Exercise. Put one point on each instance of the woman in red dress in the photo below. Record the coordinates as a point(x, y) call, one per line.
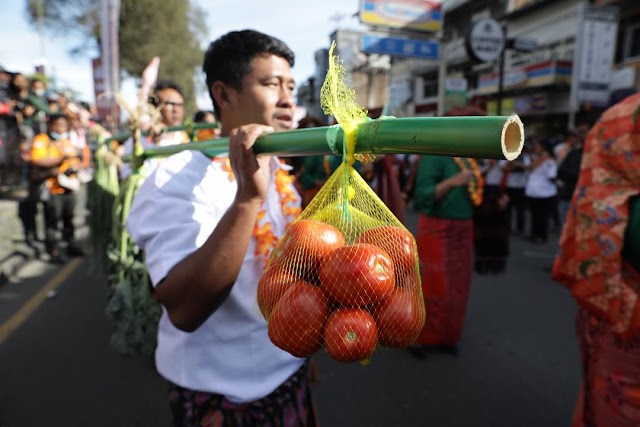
point(599, 260)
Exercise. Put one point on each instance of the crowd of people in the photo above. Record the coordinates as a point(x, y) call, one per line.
point(45, 138)
point(213, 347)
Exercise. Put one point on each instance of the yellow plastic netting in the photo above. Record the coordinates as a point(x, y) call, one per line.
point(345, 275)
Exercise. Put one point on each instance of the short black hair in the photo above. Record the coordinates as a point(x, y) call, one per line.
point(228, 59)
point(162, 85)
point(200, 115)
point(56, 116)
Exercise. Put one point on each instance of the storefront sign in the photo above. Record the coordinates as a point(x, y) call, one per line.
point(514, 5)
point(103, 104)
point(455, 92)
point(597, 41)
point(485, 40)
point(419, 15)
point(522, 44)
point(396, 46)
point(534, 75)
point(534, 104)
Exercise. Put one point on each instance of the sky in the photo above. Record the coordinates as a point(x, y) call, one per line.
point(305, 25)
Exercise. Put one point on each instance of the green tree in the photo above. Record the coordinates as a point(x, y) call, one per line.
point(174, 30)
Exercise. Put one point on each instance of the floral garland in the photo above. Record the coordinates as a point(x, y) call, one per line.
point(289, 201)
point(476, 184)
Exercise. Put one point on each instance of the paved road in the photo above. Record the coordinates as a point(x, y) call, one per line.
point(518, 364)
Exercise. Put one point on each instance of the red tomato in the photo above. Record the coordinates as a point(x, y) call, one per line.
point(305, 243)
point(275, 281)
point(297, 320)
point(397, 242)
point(410, 282)
point(400, 318)
point(357, 275)
point(350, 335)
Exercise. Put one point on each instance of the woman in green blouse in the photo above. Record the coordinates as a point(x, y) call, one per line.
point(444, 195)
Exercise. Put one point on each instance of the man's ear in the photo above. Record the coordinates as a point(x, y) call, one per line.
point(221, 93)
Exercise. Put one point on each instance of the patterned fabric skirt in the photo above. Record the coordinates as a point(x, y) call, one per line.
point(289, 405)
point(610, 393)
point(445, 248)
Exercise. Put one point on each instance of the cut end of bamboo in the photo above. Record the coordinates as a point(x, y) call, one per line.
point(512, 137)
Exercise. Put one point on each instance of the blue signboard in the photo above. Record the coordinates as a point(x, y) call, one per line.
point(396, 46)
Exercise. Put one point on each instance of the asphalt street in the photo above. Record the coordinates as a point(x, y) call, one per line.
point(517, 366)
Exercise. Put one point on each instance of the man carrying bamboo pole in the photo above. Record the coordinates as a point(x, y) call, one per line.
point(207, 229)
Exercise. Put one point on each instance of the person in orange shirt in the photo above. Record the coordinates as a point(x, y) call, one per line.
point(206, 116)
point(55, 162)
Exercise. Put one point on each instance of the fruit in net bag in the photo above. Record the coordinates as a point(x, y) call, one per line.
point(273, 284)
point(400, 317)
point(305, 243)
point(297, 321)
point(395, 241)
point(357, 275)
point(350, 335)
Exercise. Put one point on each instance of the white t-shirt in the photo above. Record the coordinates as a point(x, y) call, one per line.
point(494, 173)
point(149, 165)
point(518, 178)
point(540, 182)
point(173, 214)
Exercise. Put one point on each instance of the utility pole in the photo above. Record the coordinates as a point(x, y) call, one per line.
point(501, 68)
point(40, 14)
point(442, 73)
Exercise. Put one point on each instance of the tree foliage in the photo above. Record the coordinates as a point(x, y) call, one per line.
point(170, 29)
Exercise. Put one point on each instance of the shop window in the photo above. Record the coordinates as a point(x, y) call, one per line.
point(632, 43)
point(430, 88)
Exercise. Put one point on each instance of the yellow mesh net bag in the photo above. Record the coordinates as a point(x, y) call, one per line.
point(345, 275)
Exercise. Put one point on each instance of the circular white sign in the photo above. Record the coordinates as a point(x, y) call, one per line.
point(485, 40)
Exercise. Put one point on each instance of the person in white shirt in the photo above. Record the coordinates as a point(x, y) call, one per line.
point(167, 97)
point(515, 182)
point(541, 190)
point(199, 223)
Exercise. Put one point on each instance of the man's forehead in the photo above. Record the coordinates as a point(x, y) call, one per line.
point(268, 64)
point(168, 93)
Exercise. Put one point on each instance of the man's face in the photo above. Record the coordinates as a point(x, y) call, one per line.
point(171, 107)
point(266, 96)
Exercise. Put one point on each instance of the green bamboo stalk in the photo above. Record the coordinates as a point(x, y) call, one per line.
point(486, 137)
point(188, 128)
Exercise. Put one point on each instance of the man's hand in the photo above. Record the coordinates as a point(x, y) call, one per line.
point(458, 180)
point(461, 178)
point(252, 173)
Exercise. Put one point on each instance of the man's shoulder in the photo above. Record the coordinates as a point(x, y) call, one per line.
point(187, 167)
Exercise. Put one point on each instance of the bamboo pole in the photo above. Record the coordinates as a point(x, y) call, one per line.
point(194, 127)
point(487, 137)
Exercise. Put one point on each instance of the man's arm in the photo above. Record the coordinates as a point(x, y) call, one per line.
point(198, 284)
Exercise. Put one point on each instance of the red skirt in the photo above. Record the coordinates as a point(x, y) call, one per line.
point(445, 248)
point(610, 393)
